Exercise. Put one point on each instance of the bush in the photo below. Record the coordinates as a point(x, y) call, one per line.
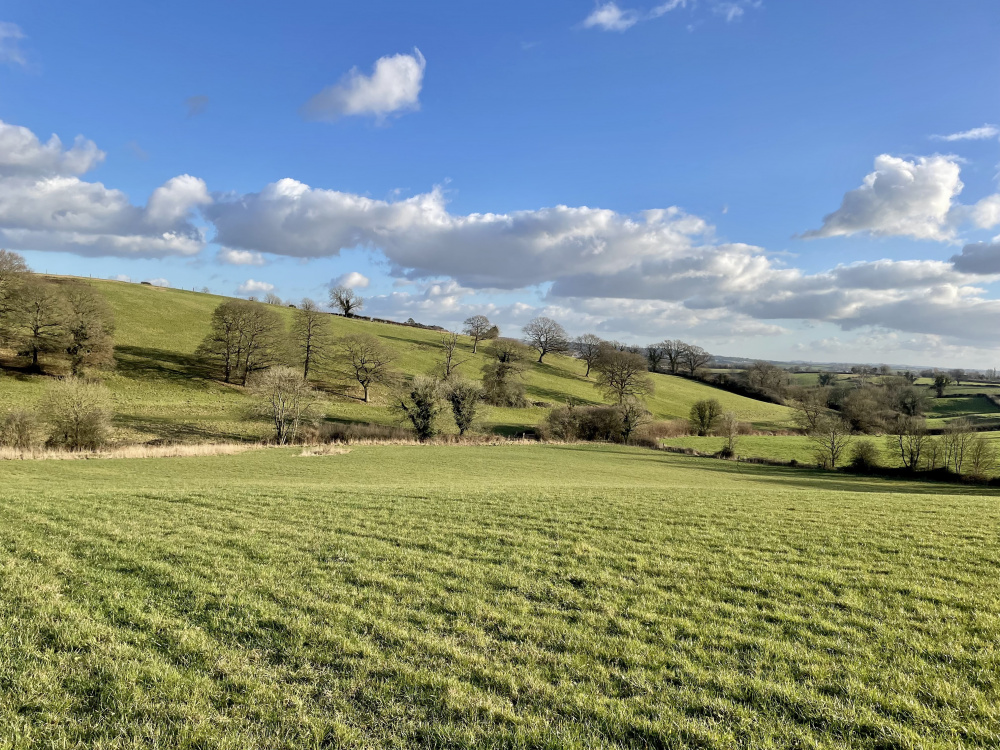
point(666, 428)
point(590, 423)
point(339, 432)
point(21, 429)
point(421, 402)
point(464, 398)
point(80, 414)
point(704, 414)
point(865, 456)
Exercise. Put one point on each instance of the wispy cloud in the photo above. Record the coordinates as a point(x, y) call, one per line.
point(10, 44)
point(973, 134)
point(610, 17)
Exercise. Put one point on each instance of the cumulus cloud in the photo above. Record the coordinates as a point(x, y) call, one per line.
point(973, 134)
point(240, 257)
point(44, 205)
point(353, 279)
point(250, 286)
point(901, 197)
point(986, 213)
point(609, 17)
point(979, 258)
point(422, 238)
point(394, 86)
point(10, 44)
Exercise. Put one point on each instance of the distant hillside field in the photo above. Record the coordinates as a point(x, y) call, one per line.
point(161, 393)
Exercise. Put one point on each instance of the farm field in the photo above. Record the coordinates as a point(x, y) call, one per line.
point(161, 392)
point(509, 596)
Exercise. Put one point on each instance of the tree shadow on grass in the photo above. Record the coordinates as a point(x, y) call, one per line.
point(168, 431)
point(147, 363)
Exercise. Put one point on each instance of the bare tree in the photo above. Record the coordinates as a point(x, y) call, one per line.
point(366, 359)
point(346, 300)
point(420, 403)
point(864, 374)
point(673, 351)
point(450, 360)
point(767, 378)
point(810, 408)
point(704, 415)
point(907, 436)
point(622, 375)
point(982, 456)
point(958, 375)
point(832, 436)
point(244, 337)
point(310, 336)
point(588, 348)
point(272, 299)
point(956, 440)
point(634, 415)
point(284, 397)
point(13, 273)
point(37, 324)
point(655, 354)
point(728, 427)
point(695, 358)
point(478, 327)
point(90, 328)
point(464, 397)
point(546, 336)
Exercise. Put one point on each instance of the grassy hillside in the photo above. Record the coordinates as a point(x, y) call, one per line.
point(510, 596)
point(161, 393)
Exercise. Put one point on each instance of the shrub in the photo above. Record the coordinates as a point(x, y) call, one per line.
point(420, 403)
point(704, 413)
point(865, 456)
point(339, 432)
point(590, 423)
point(21, 429)
point(464, 398)
point(80, 414)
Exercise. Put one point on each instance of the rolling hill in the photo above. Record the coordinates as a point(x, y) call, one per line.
point(161, 393)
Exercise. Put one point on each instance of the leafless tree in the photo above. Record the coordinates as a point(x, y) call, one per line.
point(634, 415)
point(832, 435)
point(366, 359)
point(863, 374)
point(546, 336)
point(704, 415)
point(13, 273)
point(272, 299)
point(728, 427)
point(810, 408)
point(981, 456)
point(310, 336)
point(588, 348)
point(479, 328)
point(695, 358)
point(450, 359)
point(346, 300)
point(79, 413)
point(956, 441)
point(958, 375)
point(90, 328)
point(907, 436)
point(244, 337)
point(37, 324)
point(622, 375)
point(767, 378)
point(654, 355)
point(673, 351)
point(285, 398)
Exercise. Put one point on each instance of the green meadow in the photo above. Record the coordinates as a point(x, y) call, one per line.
point(161, 391)
point(509, 596)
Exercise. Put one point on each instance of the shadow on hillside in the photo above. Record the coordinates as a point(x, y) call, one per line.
point(147, 363)
point(168, 431)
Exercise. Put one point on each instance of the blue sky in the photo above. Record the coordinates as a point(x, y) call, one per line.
point(777, 179)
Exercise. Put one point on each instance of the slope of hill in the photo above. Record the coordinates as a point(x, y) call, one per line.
point(161, 392)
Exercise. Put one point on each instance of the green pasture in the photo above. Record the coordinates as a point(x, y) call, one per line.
point(492, 597)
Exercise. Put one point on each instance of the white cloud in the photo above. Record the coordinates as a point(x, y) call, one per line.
point(899, 198)
point(610, 17)
point(255, 287)
point(986, 213)
point(393, 86)
point(422, 239)
point(44, 205)
point(157, 282)
point(240, 257)
point(353, 279)
point(122, 277)
point(666, 7)
point(974, 134)
point(10, 44)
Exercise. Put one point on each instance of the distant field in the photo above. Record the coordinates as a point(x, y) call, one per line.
point(977, 409)
point(161, 394)
point(504, 597)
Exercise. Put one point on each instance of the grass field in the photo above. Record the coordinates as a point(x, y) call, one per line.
point(161, 392)
point(976, 409)
point(511, 596)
